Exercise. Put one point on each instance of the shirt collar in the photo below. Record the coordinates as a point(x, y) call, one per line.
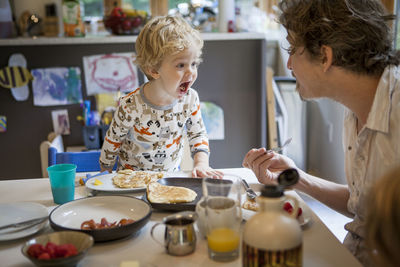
point(378, 117)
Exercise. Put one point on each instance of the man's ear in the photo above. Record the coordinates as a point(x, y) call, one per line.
point(327, 57)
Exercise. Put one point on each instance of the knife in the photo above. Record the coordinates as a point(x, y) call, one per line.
point(249, 191)
point(31, 222)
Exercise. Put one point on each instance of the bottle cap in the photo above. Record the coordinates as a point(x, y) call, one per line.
point(272, 191)
point(288, 177)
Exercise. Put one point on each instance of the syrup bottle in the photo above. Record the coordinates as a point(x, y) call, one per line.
point(273, 237)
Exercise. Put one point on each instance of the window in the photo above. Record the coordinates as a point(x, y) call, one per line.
point(94, 8)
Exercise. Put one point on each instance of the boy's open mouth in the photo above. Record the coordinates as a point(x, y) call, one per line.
point(184, 87)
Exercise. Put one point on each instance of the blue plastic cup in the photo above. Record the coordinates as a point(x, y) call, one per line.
point(62, 181)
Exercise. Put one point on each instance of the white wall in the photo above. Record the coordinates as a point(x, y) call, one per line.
point(325, 149)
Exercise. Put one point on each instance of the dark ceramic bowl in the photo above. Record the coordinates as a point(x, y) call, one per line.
point(81, 241)
point(71, 215)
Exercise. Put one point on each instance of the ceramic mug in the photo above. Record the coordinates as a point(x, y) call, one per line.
point(180, 236)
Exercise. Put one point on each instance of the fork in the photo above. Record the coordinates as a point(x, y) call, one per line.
point(280, 148)
point(251, 195)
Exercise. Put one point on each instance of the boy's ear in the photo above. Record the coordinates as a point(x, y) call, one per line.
point(153, 73)
point(327, 57)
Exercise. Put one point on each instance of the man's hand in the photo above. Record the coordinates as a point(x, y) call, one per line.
point(266, 165)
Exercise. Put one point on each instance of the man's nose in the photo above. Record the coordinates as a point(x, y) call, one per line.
point(289, 63)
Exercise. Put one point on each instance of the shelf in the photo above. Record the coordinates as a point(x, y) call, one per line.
point(25, 41)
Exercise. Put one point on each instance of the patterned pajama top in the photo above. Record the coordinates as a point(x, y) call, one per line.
point(149, 137)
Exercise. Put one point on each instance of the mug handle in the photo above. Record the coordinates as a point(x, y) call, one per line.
point(295, 207)
point(152, 236)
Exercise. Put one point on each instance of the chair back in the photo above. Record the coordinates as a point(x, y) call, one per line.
point(86, 161)
point(53, 140)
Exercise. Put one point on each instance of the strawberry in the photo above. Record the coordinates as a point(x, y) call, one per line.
point(44, 256)
point(51, 249)
point(289, 208)
point(35, 250)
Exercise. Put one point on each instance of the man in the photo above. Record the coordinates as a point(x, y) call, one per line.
point(342, 50)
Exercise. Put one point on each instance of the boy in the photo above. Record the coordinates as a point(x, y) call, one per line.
point(147, 129)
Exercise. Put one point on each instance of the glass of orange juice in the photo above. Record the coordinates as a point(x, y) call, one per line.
point(223, 217)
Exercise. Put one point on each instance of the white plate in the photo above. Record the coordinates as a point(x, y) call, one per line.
point(71, 215)
point(303, 220)
point(108, 185)
point(19, 212)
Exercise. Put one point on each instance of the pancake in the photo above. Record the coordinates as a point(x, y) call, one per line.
point(250, 205)
point(134, 179)
point(163, 194)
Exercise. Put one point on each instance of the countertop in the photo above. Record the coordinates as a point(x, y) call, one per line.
point(271, 36)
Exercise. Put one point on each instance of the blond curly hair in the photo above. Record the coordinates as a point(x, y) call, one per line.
point(382, 230)
point(164, 36)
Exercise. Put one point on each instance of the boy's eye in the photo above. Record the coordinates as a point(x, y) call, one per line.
point(180, 65)
point(195, 64)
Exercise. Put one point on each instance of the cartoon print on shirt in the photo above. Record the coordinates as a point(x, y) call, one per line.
point(111, 155)
point(200, 123)
point(154, 139)
point(165, 132)
point(159, 157)
point(130, 146)
point(168, 116)
point(147, 156)
point(175, 154)
point(151, 112)
point(143, 142)
point(154, 127)
point(176, 141)
point(142, 130)
point(124, 155)
point(131, 107)
point(122, 115)
point(158, 145)
point(189, 124)
point(157, 168)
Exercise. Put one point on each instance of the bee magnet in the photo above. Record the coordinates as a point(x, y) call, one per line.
point(16, 77)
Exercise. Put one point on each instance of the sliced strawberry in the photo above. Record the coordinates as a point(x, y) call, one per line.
point(299, 212)
point(288, 207)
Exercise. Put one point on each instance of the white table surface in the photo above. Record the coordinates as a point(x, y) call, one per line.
point(320, 246)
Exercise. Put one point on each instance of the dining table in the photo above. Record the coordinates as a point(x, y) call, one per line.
point(320, 246)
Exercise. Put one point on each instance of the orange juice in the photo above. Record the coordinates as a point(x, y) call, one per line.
point(223, 240)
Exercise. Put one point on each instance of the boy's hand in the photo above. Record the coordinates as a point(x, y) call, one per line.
point(206, 171)
point(202, 168)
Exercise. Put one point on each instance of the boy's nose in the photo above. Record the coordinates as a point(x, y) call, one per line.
point(191, 71)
